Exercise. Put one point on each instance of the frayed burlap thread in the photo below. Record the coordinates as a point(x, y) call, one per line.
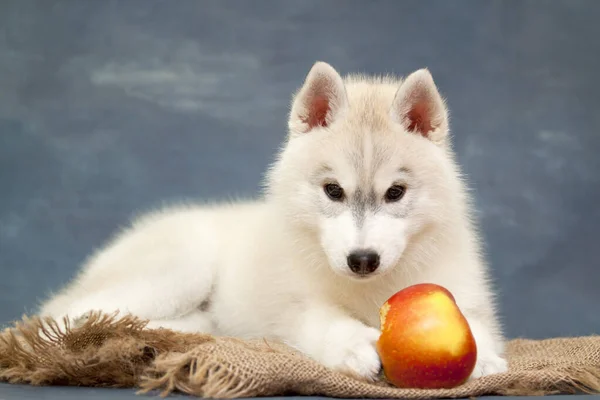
point(110, 352)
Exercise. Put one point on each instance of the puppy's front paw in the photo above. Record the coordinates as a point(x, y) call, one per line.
point(351, 350)
point(489, 364)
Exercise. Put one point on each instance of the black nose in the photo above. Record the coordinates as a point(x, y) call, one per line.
point(363, 262)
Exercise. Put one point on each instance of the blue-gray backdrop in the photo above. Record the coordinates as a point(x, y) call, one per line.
point(109, 107)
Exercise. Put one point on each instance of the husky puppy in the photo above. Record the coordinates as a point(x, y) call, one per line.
point(364, 198)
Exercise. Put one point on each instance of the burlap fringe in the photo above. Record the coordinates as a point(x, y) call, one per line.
point(201, 375)
point(197, 375)
point(580, 380)
point(106, 351)
point(42, 351)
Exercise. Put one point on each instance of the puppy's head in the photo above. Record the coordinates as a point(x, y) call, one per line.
point(366, 166)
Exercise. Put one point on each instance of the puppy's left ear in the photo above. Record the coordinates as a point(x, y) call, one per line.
point(419, 108)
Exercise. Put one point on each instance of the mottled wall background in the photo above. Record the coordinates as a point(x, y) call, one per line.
point(109, 107)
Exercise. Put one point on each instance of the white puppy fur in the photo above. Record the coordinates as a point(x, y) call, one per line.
point(367, 167)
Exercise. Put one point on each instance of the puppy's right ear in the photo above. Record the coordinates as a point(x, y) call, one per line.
point(319, 102)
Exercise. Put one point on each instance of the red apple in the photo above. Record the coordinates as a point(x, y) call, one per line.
point(425, 341)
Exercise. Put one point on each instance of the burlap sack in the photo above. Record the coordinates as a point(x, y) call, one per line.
point(121, 353)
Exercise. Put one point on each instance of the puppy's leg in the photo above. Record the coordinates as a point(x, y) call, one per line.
point(195, 322)
point(490, 349)
point(336, 340)
point(148, 299)
point(165, 296)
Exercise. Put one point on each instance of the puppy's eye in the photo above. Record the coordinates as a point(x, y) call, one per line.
point(395, 193)
point(335, 192)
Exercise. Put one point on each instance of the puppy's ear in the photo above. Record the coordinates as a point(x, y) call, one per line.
point(419, 108)
point(320, 101)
